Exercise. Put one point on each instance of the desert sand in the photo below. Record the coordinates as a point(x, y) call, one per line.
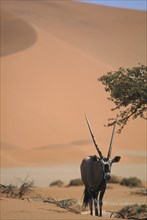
point(52, 53)
point(36, 209)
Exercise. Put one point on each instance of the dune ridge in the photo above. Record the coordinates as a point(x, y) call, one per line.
point(13, 34)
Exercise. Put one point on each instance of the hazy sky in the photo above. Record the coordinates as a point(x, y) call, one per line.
point(130, 4)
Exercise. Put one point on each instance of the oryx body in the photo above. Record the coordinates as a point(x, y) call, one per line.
point(95, 172)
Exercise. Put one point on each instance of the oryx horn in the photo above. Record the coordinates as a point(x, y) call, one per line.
point(94, 141)
point(111, 141)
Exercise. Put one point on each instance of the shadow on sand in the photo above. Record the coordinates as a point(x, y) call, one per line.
point(16, 34)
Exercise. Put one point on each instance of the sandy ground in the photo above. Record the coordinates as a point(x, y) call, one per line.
point(115, 198)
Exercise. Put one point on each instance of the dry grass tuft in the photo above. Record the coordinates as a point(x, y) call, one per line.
point(58, 183)
point(114, 179)
point(131, 182)
point(12, 191)
point(75, 182)
point(132, 212)
point(141, 192)
point(71, 205)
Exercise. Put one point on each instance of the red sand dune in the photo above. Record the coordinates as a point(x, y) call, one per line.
point(52, 54)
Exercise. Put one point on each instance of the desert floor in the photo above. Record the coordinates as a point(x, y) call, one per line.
point(116, 197)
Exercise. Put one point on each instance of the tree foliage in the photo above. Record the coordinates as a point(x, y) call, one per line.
point(128, 91)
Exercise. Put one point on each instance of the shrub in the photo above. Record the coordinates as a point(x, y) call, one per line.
point(17, 192)
point(131, 182)
point(9, 191)
point(58, 183)
point(114, 179)
point(75, 182)
point(25, 188)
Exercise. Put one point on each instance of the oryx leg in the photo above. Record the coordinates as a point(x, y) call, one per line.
point(91, 205)
point(95, 196)
point(96, 207)
point(101, 199)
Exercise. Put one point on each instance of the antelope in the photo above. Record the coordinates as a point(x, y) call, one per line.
point(95, 173)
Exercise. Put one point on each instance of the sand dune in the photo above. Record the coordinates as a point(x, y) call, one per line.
point(55, 52)
point(13, 34)
point(115, 36)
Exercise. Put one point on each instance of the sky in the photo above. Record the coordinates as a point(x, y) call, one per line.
point(129, 4)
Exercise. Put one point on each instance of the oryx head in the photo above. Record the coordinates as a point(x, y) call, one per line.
point(106, 162)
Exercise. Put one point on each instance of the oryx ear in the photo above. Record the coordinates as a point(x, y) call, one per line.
point(116, 159)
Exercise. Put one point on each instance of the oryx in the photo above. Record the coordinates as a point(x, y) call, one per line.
point(95, 172)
